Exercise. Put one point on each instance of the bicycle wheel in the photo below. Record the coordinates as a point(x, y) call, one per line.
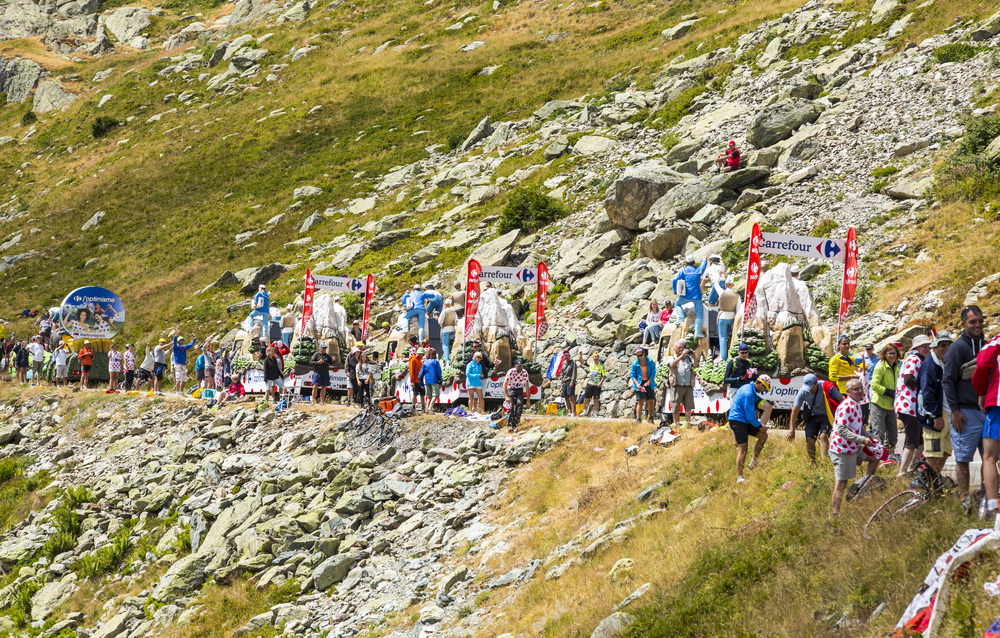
point(370, 420)
point(374, 433)
point(388, 432)
point(356, 420)
point(897, 504)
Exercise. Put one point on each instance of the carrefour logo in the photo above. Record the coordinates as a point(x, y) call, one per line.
point(356, 285)
point(830, 249)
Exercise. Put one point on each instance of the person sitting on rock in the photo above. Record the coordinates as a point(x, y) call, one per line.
point(728, 161)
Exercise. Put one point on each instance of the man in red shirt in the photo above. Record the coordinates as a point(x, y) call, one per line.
point(728, 161)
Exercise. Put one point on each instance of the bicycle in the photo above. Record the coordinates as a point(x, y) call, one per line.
point(927, 485)
point(365, 418)
point(388, 427)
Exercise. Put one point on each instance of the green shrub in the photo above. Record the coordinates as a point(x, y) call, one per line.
point(734, 256)
point(823, 228)
point(9, 468)
point(956, 52)
point(968, 175)
point(529, 209)
point(884, 171)
point(878, 185)
point(830, 300)
point(102, 126)
point(672, 112)
point(28, 118)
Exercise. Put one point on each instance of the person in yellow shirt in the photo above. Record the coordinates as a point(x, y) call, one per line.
point(842, 366)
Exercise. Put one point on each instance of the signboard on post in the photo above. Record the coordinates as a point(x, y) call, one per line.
point(342, 284)
point(800, 246)
point(92, 312)
point(507, 275)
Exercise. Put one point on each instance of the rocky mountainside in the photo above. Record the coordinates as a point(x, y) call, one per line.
point(173, 497)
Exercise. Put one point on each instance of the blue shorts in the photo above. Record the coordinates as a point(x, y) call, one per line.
point(321, 379)
point(965, 444)
point(992, 427)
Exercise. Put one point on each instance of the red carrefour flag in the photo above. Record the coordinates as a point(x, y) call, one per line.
point(472, 294)
point(541, 325)
point(369, 293)
point(850, 278)
point(307, 304)
point(753, 275)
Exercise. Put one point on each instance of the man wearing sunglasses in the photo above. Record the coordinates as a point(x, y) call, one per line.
point(967, 419)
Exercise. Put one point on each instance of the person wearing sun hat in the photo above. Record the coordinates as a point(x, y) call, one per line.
point(86, 358)
point(744, 422)
point(905, 402)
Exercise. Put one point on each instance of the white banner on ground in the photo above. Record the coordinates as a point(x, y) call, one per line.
point(799, 246)
point(452, 392)
point(343, 284)
point(507, 275)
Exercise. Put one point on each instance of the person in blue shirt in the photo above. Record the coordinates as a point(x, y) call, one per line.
point(433, 301)
point(430, 376)
point(413, 304)
point(180, 363)
point(687, 286)
point(743, 421)
point(643, 382)
point(261, 308)
point(474, 383)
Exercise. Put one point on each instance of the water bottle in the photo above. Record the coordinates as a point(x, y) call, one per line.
point(982, 507)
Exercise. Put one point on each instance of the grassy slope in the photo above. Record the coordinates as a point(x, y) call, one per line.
point(722, 560)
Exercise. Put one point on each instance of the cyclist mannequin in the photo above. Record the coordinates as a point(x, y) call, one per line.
point(515, 390)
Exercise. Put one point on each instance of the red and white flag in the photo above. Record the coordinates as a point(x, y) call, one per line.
point(369, 293)
point(307, 304)
point(472, 295)
point(541, 300)
point(850, 278)
point(753, 275)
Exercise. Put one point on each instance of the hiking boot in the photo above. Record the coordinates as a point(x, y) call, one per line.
point(752, 464)
point(740, 479)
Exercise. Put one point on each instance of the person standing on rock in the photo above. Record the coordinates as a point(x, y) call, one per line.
point(86, 358)
point(687, 286)
point(431, 377)
point(366, 377)
point(567, 377)
point(817, 401)
point(356, 333)
point(458, 300)
point(986, 381)
point(716, 273)
point(114, 368)
point(967, 418)
point(180, 363)
point(449, 323)
point(287, 325)
point(22, 361)
point(642, 379)
point(321, 362)
point(413, 304)
point(739, 370)
point(651, 333)
point(905, 403)
point(744, 422)
point(128, 366)
point(882, 419)
point(433, 301)
point(211, 360)
point(681, 383)
point(931, 411)
point(351, 368)
point(596, 374)
point(261, 309)
point(729, 301)
point(848, 443)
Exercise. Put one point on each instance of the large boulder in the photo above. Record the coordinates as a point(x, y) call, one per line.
point(882, 9)
point(993, 150)
point(684, 201)
point(593, 144)
point(629, 198)
point(587, 253)
point(51, 95)
point(663, 243)
point(127, 25)
point(50, 596)
point(483, 130)
point(184, 577)
point(779, 120)
point(910, 187)
point(615, 625)
point(18, 78)
point(332, 571)
point(987, 28)
point(495, 252)
point(23, 19)
point(253, 277)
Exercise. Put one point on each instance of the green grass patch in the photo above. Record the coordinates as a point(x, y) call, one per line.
point(529, 210)
point(956, 52)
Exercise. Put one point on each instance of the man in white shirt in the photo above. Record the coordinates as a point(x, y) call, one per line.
point(59, 358)
point(37, 360)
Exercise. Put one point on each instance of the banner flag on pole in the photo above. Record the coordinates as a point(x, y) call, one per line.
point(850, 278)
point(753, 276)
point(369, 293)
point(307, 304)
point(541, 300)
point(472, 295)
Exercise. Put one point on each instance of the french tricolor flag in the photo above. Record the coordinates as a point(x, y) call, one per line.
point(555, 365)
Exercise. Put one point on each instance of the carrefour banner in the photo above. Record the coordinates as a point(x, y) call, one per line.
point(799, 246)
point(92, 312)
point(343, 284)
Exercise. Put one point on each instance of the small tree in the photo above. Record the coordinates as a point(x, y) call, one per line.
point(529, 209)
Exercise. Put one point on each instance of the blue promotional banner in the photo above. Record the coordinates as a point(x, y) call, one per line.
point(92, 312)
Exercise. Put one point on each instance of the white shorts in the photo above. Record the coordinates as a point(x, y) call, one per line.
point(180, 373)
point(62, 372)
